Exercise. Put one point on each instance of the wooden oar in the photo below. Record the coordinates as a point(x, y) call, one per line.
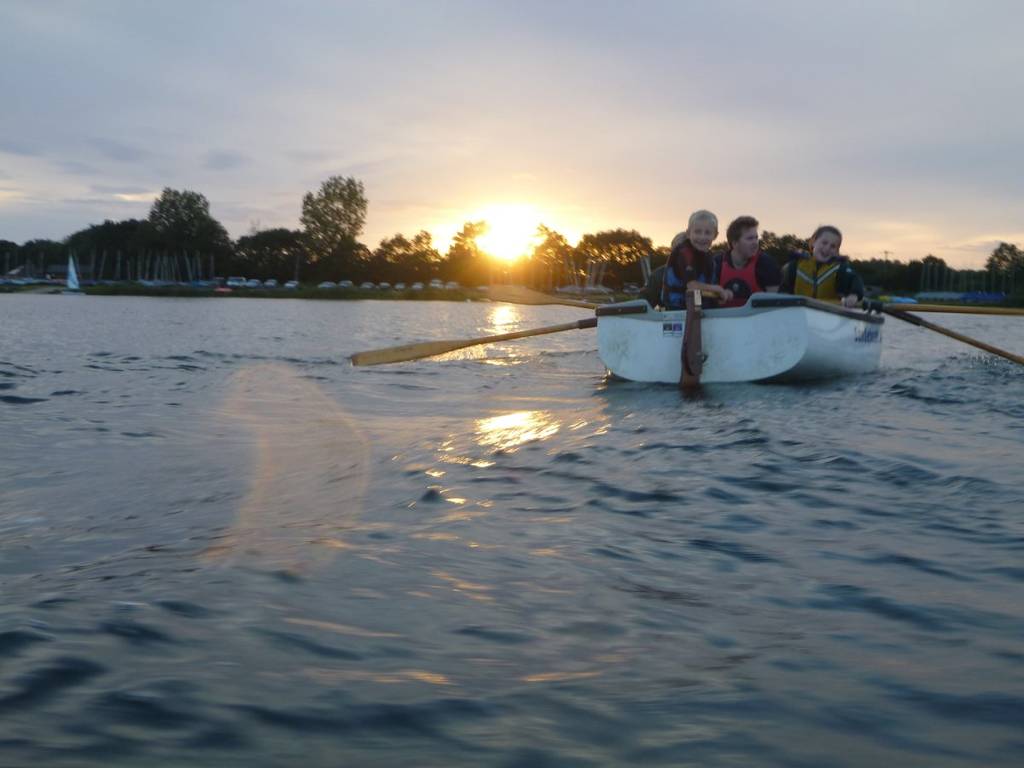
point(430, 348)
point(904, 314)
point(957, 309)
point(516, 294)
point(692, 353)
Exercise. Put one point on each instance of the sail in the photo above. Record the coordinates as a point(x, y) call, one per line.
point(72, 275)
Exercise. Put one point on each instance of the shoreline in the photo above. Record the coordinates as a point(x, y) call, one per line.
point(184, 291)
point(336, 294)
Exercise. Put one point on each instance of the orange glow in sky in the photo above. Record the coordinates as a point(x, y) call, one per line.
point(511, 230)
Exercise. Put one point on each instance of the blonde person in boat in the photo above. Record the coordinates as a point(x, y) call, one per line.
point(823, 273)
point(689, 265)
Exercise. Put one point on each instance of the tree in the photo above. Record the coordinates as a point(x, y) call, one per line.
point(1005, 258)
point(348, 260)
point(782, 247)
point(39, 256)
point(930, 276)
point(552, 256)
point(114, 242)
point(553, 249)
point(400, 259)
point(465, 261)
point(334, 214)
point(912, 277)
point(184, 229)
point(622, 249)
point(8, 253)
point(182, 221)
point(659, 257)
point(127, 235)
point(276, 253)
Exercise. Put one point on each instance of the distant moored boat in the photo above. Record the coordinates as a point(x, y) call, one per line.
point(72, 286)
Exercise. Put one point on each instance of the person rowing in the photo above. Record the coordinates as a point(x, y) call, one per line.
point(689, 265)
point(823, 273)
point(744, 269)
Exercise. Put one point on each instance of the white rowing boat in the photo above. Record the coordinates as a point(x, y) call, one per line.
point(772, 337)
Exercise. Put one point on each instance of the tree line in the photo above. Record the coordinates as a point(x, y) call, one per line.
point(181, 241)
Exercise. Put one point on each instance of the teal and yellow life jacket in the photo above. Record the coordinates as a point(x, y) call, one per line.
point(815, 279)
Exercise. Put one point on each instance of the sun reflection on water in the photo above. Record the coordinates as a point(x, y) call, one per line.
point(502, 316)
point(508, 431)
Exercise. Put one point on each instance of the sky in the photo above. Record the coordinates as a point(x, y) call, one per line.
point(900, 122)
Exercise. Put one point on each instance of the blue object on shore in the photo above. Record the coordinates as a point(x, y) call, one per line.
point(974, 297)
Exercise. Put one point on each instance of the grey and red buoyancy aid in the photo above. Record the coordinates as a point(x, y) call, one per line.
point(742, 282)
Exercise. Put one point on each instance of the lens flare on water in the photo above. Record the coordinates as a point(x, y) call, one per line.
point(309, 473)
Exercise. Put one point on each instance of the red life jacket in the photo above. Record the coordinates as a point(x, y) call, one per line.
point(742, 282)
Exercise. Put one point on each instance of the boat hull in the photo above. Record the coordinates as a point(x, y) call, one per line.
point(771, 338)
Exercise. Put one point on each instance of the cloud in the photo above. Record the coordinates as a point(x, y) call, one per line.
point(19, 147)
point(117, 189)
point(224, 160)
point(308, 155)
point(597, 114)
point(120, 151)
point(78, 168)
point(986, 242)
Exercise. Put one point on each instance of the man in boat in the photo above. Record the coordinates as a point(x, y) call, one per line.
point(823, 273)
point(744, 269)
point(689, 264)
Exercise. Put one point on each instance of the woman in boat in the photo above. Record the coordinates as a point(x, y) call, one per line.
point(689, 266)
point(823, 273)
point(743, 269)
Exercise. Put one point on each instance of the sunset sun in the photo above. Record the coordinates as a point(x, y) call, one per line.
point(511, 230)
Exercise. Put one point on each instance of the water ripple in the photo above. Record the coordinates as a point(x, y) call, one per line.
point(537, 565)
point(45, 683)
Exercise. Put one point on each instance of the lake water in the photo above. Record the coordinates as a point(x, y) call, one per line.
point(220, 544)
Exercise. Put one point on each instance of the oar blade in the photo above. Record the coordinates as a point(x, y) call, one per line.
point(406, 352)
point(517, 294)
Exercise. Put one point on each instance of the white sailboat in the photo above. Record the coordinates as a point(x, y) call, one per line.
point(72, 281)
